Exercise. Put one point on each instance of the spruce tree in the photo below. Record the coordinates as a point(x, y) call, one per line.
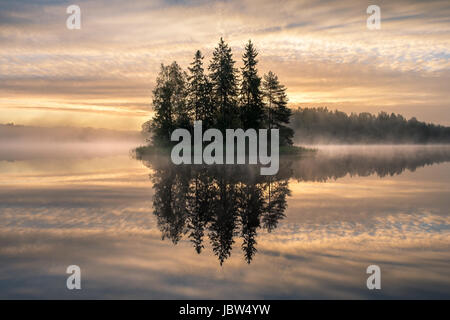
point(251, 100)
point(224, 86)
point(277, 111)
point(199, 93)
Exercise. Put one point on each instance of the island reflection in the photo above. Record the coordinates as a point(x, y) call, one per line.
point(218, 203)
point(223, 202)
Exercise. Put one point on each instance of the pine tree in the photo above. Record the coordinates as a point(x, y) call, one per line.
point(252, 106)
point(169, 103)
point(199, 96)
point(224, 86)
point(277, 111)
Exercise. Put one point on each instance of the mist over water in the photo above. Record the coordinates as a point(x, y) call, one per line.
point(27, 142)
point(312, 230)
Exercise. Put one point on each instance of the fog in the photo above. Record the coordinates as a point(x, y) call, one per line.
point(27, 142)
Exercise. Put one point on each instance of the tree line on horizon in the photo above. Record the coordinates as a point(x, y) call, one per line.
point(221, 97)
point(321, 125)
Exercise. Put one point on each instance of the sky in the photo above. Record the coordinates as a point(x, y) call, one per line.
point(102, 75)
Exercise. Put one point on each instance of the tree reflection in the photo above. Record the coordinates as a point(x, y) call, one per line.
point(217, 203)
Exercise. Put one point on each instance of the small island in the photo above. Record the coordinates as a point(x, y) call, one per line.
point(222, 97)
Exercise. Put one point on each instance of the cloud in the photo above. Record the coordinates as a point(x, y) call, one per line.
point(321, 50)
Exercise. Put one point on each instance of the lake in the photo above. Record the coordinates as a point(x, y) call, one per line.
point(146, 229)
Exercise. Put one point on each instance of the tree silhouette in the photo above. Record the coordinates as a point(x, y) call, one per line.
point(169, 103)
point(320, 125)
point(278, 112)
point(220, 99)
point(199, 97)
point(252, 107)
point(223, 77)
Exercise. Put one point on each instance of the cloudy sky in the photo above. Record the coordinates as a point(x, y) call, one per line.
point(102, 75)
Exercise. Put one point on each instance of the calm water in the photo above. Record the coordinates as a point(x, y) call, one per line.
point(147, 229)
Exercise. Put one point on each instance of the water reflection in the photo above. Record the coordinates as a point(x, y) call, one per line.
point(333, 162)
point(329, 223)
point(219, 203)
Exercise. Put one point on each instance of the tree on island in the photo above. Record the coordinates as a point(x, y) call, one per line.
point(252, 106)
point(199, 100)
point(169, 103)
point(225, 88)
point(220, 99)
point(278, 112)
